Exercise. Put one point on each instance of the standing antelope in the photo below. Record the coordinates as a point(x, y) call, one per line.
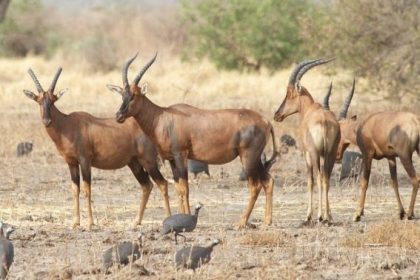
point(182, 132)
point(86, 141)
point(319, 132)
point(389, 135)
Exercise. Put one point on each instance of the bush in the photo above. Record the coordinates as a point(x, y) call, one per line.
point(245, 34)
point(379, 39)
point(23, 31)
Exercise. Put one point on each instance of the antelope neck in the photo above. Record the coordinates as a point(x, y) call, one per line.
point(148, 115)
point(305, 102)
point(54, 130)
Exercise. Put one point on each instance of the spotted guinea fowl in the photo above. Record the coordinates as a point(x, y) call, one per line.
point(7, 230)
point(6, 254)
point(193, 257)
point(122, 253)
point(181, 223)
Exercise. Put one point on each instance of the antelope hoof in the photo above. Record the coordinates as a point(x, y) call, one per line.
point(76, 225)
point(268, 222)
point(327, 219)
point(136, 224)
point(402, 214)
point(90, 226)
point(320, 219)
point(247, 225)
point(356, 218)
point(308, 219)
point(411, 217)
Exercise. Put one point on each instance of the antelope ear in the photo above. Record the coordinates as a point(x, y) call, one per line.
point(116, 89)
point(30, 94)
point(354, 118)
point(144, 88)
point(63, 91)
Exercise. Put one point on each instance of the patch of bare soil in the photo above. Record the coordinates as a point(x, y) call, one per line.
point(35, 197)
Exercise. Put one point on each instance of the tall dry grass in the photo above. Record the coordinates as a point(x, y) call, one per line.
point(169, 81)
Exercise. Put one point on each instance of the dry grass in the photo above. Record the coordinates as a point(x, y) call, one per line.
point(388, 233)
point(35, 192)
point(270, 239)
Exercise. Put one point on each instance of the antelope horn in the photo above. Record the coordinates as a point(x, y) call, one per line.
point(125, 69)
point(326, 103)
point(305, 68)
point(35, 79)
point(54, 81)
point(138, 77)
point(346, 105)
point(292, 79)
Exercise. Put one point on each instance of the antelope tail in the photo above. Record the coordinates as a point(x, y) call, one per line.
point(269, 163)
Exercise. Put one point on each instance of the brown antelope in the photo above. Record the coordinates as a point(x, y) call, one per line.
point(319, 132)
point(389, 135)
point(86, 141)
point(182, 132)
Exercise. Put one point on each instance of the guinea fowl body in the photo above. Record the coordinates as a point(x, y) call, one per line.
point(122, 253)
point(192, 257)
point(196, 167)
point(181, 223)
point(6, 254)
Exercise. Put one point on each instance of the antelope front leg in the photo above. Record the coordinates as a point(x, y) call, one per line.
point(146, 189)
point(268, 188)
point(75, 185)
point(408, 166)
point(319, 185)
point(394, 182)
point(86, 174)
point(326, 186)
point(310, 189)
point(254, 190)
point(183, 185)
point(178, 188)
point(163, 186)
point(367, 163)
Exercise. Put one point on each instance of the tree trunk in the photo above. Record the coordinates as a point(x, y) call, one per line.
point(3, 8)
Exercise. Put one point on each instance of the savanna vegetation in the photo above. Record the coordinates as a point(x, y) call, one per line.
point(212, 54)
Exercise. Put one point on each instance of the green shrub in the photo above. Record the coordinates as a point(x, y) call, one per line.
point(245, 34)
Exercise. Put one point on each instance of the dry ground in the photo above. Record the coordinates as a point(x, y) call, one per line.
point(35, 192)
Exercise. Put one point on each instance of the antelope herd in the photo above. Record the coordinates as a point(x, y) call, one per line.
point(142, 132)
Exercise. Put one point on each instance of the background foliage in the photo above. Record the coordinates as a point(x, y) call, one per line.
point(374, 39)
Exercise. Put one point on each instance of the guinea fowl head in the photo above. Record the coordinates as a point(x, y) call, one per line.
point(197, 208)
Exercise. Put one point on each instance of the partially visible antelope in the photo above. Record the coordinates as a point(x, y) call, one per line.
point(387, 134)
point(182, 132)
point(86, 141)
point(319, 133)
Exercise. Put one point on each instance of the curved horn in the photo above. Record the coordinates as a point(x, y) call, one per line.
point(54, 81)
point(35, 79)
point(292, 79)
point(346, 105)
point(326, 102)
point(305, 68)
point(138, 77)
point(125, 69)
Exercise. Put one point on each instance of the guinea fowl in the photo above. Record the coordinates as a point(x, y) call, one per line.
point(7, 230)
point(121, 252)
point(181, 223)
point(196, 167)
point(6, 254)
point(193, 257)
